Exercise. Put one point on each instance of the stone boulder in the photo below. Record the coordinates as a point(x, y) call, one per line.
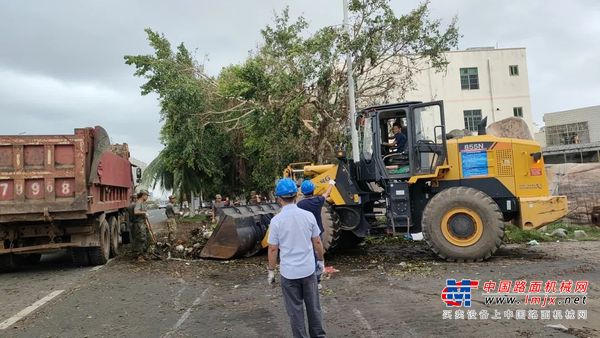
point(512, 127)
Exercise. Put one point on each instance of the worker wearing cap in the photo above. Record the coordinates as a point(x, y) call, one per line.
point(140, 229)
point(294, 233)
point(314, 203)
point(171, 221)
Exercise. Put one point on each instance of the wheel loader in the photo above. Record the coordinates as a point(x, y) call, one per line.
point(458, 193)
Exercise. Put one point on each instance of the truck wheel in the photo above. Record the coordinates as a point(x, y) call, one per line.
point(80, 257)
point(7, 263)
point(463, 224)
point(99, 255)
point(115, 236)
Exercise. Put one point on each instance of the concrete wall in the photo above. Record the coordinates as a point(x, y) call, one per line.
point(589, 114)
point(498, 91)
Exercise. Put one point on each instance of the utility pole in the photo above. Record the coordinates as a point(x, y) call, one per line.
point(351, 99)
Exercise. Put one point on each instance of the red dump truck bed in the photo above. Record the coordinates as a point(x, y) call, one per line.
point(57, 190)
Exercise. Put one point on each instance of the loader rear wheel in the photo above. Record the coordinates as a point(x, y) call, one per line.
point(463, 224)
point(115, 235)
point(99, 255)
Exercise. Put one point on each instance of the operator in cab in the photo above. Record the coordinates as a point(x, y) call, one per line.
point(399, 143)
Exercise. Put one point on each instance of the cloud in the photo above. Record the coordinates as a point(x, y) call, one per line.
point(39, 104)
point(61, 62)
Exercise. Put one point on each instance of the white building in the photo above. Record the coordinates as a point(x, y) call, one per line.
point(572, 135)
point(478, 82)
point(581, 125)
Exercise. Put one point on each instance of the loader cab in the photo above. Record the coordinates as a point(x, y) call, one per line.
point(424, 128)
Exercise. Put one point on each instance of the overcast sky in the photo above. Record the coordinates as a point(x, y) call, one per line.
point(61, 62)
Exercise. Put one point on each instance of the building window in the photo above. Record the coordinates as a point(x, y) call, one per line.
point(513, 70)
point(572, 133)
point(469, 78)
point(518, 111)
point(472, 119)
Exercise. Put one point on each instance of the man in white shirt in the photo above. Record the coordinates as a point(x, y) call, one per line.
point(294, 233)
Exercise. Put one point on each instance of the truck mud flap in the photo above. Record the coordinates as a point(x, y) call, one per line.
point(239, 231)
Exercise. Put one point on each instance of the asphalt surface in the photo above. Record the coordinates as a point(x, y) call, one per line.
point(388, 290)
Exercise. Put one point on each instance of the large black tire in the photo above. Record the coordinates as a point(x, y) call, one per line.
point(99, 255)
point(331, 228)
point(7, 263)
point(80, 257)
point(334, 238)
point(463, 224)
point(115, 234)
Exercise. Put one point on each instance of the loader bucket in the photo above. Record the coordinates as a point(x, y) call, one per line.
point(239, 231)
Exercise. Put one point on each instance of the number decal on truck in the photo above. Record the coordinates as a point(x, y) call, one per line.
point(66, 188)
point(35, 188)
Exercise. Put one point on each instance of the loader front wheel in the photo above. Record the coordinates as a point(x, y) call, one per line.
point(463, 224)
point(331, 228)
point(333, 237)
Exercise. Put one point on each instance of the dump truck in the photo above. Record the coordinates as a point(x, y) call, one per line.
point(457, 193)
point(63, 192)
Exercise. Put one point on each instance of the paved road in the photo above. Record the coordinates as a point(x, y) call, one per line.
point(373, 295)
point(55, 273)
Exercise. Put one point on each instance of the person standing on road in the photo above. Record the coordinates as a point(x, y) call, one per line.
point(314, 204)
point(294, 234)
point(171, 221)
point(140, 229)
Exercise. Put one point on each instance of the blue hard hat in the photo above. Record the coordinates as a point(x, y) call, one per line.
point(286, 187)
point(308, 187)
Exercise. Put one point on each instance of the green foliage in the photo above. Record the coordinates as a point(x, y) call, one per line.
point(287, 102)
point(194, 219)
point(514, 234)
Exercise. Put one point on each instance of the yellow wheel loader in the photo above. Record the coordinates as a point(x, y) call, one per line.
point(458, 192)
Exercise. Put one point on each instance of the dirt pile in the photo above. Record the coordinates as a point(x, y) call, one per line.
point(579, 182)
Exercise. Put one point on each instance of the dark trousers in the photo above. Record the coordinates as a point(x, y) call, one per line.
point(298, 293)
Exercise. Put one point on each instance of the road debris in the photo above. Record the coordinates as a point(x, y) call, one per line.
point(560, 232)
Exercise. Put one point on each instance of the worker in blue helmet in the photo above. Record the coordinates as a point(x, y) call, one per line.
point(314, 204)
point(294, 234)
